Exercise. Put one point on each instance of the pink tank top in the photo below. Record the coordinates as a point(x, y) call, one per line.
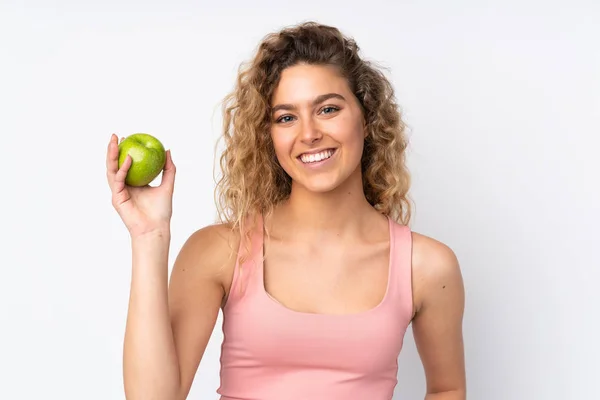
point(270, 352)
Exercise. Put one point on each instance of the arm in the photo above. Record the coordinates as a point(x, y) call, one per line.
point(200, 279)
point(169, 323)
point(437, 325)
point(148, 351)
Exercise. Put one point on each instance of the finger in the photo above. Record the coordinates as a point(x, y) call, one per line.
point(119, 179)
point(169, 170)
point(112, 154)
point(110, 151)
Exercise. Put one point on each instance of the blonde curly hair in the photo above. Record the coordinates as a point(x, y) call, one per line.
point(253, 182)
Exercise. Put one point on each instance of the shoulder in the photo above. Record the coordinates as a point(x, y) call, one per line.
point(209, 253)
point(211, 243)
point(436, 269)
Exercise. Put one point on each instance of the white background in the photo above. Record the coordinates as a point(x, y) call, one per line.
point(503, 103)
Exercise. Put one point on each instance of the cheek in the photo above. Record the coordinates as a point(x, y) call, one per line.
point(283, 145)
point(350, 134)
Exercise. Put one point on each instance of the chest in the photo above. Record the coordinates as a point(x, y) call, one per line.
point(363, 343)
point(335, 279)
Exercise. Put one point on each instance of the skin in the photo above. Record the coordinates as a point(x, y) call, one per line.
point(326, 219)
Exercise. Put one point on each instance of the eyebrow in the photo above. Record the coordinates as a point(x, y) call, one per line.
point(317, 100)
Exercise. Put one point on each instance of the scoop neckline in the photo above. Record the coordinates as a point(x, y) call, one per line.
point(282, 308)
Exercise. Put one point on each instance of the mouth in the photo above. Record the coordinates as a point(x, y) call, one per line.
point(313, 158)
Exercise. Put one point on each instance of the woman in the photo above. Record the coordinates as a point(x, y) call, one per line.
point(313, 264)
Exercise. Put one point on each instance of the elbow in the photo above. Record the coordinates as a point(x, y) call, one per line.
point(454, 394)
point(153, 384)
point(153, 392)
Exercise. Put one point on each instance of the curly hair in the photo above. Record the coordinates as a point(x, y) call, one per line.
point(252, 180)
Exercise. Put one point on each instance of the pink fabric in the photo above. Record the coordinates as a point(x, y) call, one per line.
point(271, 352)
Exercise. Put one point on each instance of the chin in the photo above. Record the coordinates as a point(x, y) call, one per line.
point(324, 181)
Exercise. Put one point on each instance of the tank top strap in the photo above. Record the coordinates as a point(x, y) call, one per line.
point(400, 276)
point(247, 274)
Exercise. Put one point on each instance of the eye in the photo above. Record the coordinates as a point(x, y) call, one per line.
point(329, 109)
point(284, 119)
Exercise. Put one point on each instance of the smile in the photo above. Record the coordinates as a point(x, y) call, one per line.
point(316, 157)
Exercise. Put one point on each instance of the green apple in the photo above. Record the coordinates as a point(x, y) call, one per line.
point(148, 158)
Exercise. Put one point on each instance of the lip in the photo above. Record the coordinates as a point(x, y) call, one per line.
point(318, 163)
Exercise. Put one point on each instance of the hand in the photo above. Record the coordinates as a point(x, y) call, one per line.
point(143, 209)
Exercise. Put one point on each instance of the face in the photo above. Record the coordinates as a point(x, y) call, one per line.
point(317, 128)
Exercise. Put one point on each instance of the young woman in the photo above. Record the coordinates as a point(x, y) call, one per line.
point(313, 264)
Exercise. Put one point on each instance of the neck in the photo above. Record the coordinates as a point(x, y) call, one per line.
point(339, 212)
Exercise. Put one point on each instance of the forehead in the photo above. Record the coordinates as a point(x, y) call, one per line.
point(302, 83)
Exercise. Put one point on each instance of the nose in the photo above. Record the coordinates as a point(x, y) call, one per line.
point(310, 133)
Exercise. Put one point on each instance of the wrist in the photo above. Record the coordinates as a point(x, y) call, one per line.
point(151, 249)
point(154, 234)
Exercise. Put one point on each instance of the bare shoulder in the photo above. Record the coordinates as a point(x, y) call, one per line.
point(208, 254)
point(436, 269)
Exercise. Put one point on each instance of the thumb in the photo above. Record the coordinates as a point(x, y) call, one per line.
point(168, 177)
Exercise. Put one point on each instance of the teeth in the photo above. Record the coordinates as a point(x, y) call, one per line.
point(311, 158)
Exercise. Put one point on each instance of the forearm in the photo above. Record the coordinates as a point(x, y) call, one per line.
point(449, 395)
point(150, 365)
